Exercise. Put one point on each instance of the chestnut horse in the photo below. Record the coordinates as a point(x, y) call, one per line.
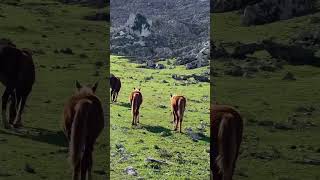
point(226, 136)
point(83, 122)
point(135, 102)
point(17, 74)
point(115, 85)
point(178, 105)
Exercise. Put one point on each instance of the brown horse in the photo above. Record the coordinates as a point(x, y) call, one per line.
point(17, 74)
point(226, 136)
point(135, 102)
point(83, 122)
point(178, 105)
point(115, 85)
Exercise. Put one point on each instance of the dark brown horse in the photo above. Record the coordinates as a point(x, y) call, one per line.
point(135, 102)
point(178, 105)
point(17, 74)
point(115, 85)
point(83, 122)
point(226, 136)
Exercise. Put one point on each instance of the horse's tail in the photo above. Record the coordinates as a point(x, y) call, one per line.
point(182, 107)
point(78, 131)
point(227, 141)
point(134, 104)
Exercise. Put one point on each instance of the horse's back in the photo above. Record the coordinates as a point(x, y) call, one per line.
point(18, 67)
point(217, 113)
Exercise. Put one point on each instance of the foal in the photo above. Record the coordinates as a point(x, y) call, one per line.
point(178, 105)
point(83, 122)
point(135, 102)
point(17, 74)
point(226, 136)
point(115, 85)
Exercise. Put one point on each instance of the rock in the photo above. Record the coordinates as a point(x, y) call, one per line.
point(242, 50)
point(289, 76)
point(66, 51)
point(234, 71)
point(194, 136)
point(268, 11)
point(200, 78)
point(131, 171)
point(151, 64)
point(152, 160)
point(29, 169)
point(160, 66)
point(293, 54)
point(98, 16)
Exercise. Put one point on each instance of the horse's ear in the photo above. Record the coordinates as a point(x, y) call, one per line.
point(78, 85)
point(95, 86)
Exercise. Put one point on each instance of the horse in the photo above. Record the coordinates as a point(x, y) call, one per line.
point(115, 85)
point(17, 74)
point(83, 121)
point(135, 102)
point(226, 136)
point(178, 105)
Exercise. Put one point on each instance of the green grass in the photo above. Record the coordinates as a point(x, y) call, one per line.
point(41, 143)
point(268, 152)
point(187, 159)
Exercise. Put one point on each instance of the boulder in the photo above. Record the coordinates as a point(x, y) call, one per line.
point(268, 11)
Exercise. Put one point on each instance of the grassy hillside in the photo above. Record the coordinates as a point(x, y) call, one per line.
point(131, 146)
point(282, 134)
point(46, 27)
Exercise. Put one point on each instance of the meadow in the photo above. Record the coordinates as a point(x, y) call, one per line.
point(66, 47)
point(281, 132)
point(175, 155)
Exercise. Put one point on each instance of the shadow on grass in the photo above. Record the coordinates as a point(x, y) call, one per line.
point(127, 105)
point(38, 134)
point(157, 129)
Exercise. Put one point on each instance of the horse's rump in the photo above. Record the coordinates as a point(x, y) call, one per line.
point(79, 130)
point(226, 134)
point(136, 100)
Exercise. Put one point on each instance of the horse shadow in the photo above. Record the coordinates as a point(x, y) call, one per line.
point(124, 104)
point(38, 134)
point(157, 129)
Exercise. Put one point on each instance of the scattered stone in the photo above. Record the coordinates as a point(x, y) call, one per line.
point(66, 51)
point(131, 171)
point(289, 76)
point(29, 169)
point(152, 160)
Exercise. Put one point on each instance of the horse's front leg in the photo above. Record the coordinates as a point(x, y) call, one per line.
point(5, 98)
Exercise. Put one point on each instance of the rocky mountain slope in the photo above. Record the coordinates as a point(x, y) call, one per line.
point(157, 29)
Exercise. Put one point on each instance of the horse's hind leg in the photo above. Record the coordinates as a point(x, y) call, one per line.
point(84, 165)
point(5, 98)
point(90, 166)
point(111, 95)
point(76, 169)
point(138, 117)
point(13, 108)
point(21, 103)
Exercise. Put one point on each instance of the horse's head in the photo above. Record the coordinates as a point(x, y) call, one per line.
point(88, 89)
point(136, 89)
